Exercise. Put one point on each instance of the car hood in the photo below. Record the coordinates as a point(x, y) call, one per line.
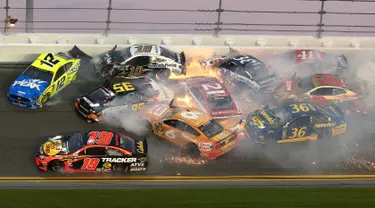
point(287, 88)
point(28, 87)
point(262, 119)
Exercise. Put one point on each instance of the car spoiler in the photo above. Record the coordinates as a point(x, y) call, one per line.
point(75, 52)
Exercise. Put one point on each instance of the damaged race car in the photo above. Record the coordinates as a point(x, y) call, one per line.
point(314, 61)
point(93, 152)
point(292, 122)
point(192, 130)
point(211, 96)
point(140, 60)
point(333, 88)
point(121, 94)
point(45, 78)
point(244, 72)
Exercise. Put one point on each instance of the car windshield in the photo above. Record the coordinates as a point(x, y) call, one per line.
point(125, 53)
point(36, 73)
point(98, 95)
point(282, 116)
point(220, 102)
point(76, 141)
point(127, 143)
point(168, 53)
point(211, 128)
point(306, 84)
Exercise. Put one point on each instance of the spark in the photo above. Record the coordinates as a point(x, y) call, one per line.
point(184, 101)
point(186, 160)
point(194, 69)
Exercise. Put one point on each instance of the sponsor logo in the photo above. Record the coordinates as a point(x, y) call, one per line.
point(30, 83)
point(206, 146)
point(137, 165)
point(120, 160)
point(267, 117)
point(137, 169)
point(325, 125)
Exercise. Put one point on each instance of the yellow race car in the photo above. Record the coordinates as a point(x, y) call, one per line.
point(44, 78)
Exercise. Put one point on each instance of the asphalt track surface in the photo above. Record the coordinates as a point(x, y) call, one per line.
point(23, 131)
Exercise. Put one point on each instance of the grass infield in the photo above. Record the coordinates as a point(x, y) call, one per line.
point(197, 198)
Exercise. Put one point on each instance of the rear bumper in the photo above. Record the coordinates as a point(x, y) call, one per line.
point(216, 153)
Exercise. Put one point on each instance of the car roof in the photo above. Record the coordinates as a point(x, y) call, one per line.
point(191, 116)
point(38, 62)
point(288, 107)
point(137, 49)
point(328, 80)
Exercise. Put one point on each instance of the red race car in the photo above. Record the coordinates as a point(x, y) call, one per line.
point(210, 95)
point(316, 61)
point(93, 151)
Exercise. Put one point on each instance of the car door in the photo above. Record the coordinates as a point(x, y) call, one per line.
point(69, 76)
point(322, 92)
point(60, 79)
point(89, 159)
point(172, 131)
point(298, 130)
point(137, 65)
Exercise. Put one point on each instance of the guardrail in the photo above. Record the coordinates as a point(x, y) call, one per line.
point(287, 17)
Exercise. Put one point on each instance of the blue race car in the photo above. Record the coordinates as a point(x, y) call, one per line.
point(295, 122)
point(244, 73)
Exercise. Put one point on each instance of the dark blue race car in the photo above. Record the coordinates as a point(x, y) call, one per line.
point(245, 72)
point(295, 122)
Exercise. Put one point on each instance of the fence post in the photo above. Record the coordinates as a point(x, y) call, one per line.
point(320, 25)
point(6, 16)
point(218, 22)
point(29, 16)
point(109, 8)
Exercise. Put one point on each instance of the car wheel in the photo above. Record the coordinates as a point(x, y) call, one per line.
point(193, 150)
point(324, 134)
point(119, 168)
point(163, 74)
point(56, 166)
point(45, 98)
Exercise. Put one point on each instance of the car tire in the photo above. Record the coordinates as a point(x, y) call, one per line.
point(324, 134)
point(45, 98)
point(163, 74)
point(56, 166)
point(119, 168)
point(193, 150)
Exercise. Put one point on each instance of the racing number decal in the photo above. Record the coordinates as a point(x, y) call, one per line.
point(302, 107)
point(100, 138)
point(123, 87)
point(60, 83)
point(90, 163)
point(171, 134)
point(137, 106)
point(190, 115)
point(213, 89)
point(143, 49)
point(245, 60)
point(136, 71)
point(49, 60)
point(296, 132)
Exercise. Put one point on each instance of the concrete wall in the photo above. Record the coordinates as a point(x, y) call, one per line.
point(25, 47)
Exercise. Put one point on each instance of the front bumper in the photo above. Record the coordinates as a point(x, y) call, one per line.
point(221, 151)
point(41, 164)
point(87, 114)
point(23, 103)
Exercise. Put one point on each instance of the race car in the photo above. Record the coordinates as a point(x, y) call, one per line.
point(196, 132)
point(244, 72)
point(93, 151)
point(333, 88)
point(139, 60)
point(211, 96)
point(314, 61)
point(295, 122)
point(120, 94)
point(44, 78)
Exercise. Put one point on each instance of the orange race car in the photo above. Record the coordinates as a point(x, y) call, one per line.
point(192, 130)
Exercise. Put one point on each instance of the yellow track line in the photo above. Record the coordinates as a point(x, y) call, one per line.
point(187, 178)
